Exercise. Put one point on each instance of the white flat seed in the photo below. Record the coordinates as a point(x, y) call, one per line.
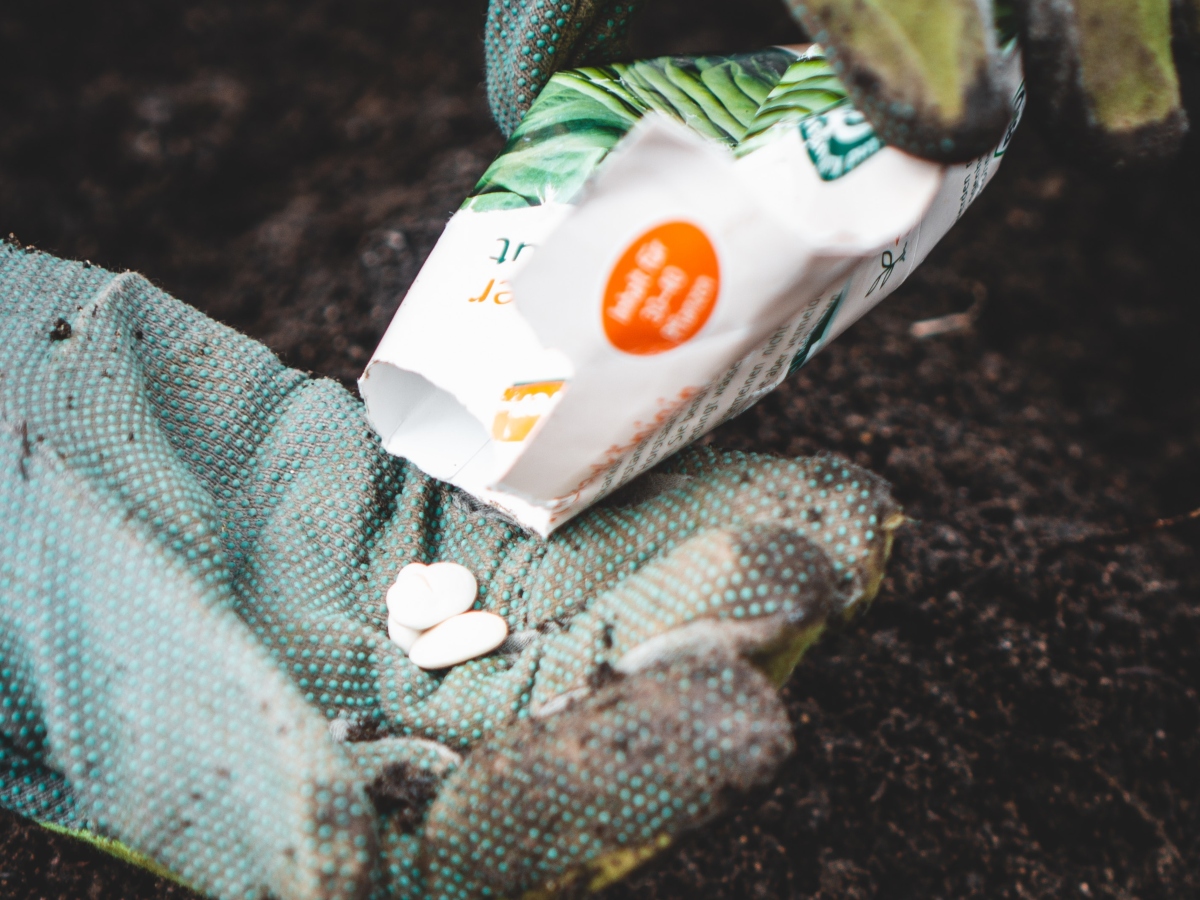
point(424, 595)
point(401, 635)
point(458, 639)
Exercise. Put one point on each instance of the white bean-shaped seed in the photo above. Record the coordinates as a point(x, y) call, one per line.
point(424, 595)
point(458, 639)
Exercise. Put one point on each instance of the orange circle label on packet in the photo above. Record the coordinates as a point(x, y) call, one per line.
point(662, 290)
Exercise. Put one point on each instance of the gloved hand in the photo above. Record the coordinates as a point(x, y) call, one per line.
point(923, 72)
point(193, 652)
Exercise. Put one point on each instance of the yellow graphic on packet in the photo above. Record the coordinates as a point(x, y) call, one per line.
point(523, 405)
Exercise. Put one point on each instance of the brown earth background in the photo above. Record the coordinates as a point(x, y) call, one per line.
point(1018, 715)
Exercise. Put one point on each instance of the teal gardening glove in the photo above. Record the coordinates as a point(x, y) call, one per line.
point(193, 650)
point(923, 72)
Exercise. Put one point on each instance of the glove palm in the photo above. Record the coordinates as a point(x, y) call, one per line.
point(193, 649)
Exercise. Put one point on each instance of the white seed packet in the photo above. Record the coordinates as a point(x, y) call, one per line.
point(659, 246)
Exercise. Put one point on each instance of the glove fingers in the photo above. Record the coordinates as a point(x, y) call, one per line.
point(577, 799)
point(199, 754)
point(923, 72)
point(526, 43)
point(1104, 77)
point(842, 508)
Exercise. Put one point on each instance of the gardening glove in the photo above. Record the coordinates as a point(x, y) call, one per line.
point(924, 72)
point(1102, 76)
point(194, 657)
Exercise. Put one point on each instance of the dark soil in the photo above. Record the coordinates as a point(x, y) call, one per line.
point(1018, 715)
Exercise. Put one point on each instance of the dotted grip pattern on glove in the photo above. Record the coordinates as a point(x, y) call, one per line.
point(527, 41)
point(193, 653)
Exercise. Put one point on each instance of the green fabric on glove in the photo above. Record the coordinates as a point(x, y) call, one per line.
point(193, 646)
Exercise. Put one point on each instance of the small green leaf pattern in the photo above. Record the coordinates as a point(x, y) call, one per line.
point(736, 101)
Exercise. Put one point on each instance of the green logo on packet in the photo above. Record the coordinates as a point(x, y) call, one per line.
point(1018, 108)
point(838, 141)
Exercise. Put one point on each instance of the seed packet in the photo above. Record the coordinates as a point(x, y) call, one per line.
point(660, 244)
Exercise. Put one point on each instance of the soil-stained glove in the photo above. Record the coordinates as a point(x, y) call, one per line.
point(195, 544)
point(1102, 77)
point(924, 72)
